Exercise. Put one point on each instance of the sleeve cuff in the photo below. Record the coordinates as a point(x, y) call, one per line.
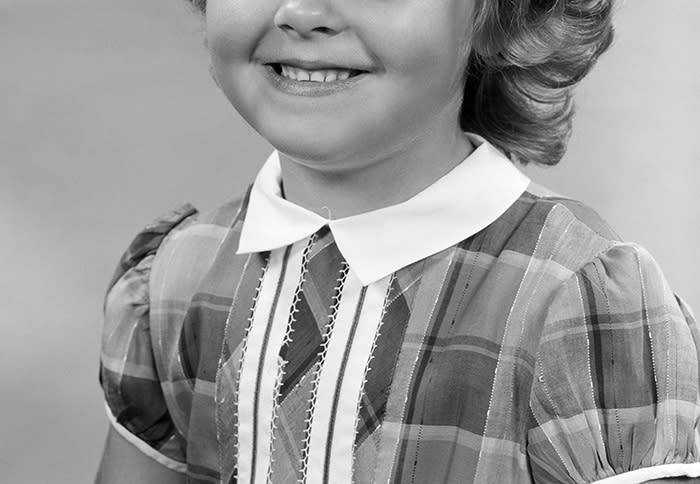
point(146, 449)
point(645, 474)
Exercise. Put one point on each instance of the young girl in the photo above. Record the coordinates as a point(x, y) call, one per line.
point(392, 301)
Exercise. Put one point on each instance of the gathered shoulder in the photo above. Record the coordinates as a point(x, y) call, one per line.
point(615, 383)
point(175, 249)
point(558, 233)
point(585, 214)
point(147, 241)
point(187, 253)
point(128, 374)
point(214, 224)
point(151, 287)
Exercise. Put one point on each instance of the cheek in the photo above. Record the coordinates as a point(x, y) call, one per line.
point(233, 28)
point(425, 41)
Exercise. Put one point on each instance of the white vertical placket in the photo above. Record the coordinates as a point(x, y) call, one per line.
point(260, 367)
point(341, 381)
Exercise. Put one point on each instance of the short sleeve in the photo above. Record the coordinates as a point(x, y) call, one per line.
point(133, 394)
point(615, 386)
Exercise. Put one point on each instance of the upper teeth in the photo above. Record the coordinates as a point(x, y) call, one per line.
point(325, 75)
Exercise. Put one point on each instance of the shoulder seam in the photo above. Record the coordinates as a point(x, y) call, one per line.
point(615, 238)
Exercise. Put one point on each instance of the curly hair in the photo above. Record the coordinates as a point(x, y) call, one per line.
point(526, 58)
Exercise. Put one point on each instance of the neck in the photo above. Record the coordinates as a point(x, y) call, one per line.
point(387, 179)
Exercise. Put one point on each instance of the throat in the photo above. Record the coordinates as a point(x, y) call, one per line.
point(376, 185)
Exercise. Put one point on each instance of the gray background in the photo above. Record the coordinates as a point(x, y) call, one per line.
point(108, 117)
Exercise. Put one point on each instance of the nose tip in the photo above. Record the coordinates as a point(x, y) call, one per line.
point(307, 17)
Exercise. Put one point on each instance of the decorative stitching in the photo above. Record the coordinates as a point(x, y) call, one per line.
point(282, 362)
point(340, 283)
point(538, 280)
point(615, 411)
point(541, 378)
point(347, 350)
point(538, 357)
point(647, 322)
point(546, 392)
point(244, 347)
point(415, 458)
point(418, 353)
point(403, 290)
point(367, 370)
point(221, 361)
point(472, 265)
point(589, 324)
point(511, 383)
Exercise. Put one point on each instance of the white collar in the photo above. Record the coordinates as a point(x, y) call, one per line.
point(376, 243)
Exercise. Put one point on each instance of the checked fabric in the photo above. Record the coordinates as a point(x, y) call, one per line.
point(539, 350)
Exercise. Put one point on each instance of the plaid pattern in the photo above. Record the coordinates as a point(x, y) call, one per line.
point(303, 353)
point(541, 349)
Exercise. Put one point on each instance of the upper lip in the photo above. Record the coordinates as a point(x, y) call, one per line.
point(318, 64)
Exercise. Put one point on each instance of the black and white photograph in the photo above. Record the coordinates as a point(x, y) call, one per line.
point(350, 242)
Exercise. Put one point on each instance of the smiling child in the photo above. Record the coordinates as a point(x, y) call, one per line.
point(392, 300)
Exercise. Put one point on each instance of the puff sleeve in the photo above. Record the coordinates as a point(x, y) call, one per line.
point(615, 387)
point(132, 389)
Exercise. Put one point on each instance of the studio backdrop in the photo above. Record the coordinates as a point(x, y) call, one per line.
point(108, 117)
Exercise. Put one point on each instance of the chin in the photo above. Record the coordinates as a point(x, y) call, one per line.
point(309, 151)
point(318, 146)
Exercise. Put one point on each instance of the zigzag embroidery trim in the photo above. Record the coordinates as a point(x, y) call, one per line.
point(385, 306)
point(285, 343)
point(340, 283)
point(244, 347)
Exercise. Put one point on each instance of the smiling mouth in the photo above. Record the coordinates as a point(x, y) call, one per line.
point(330, 74)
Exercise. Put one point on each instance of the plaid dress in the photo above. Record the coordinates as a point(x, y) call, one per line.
point(540, 349)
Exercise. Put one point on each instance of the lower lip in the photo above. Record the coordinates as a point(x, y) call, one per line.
point(310, 88)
